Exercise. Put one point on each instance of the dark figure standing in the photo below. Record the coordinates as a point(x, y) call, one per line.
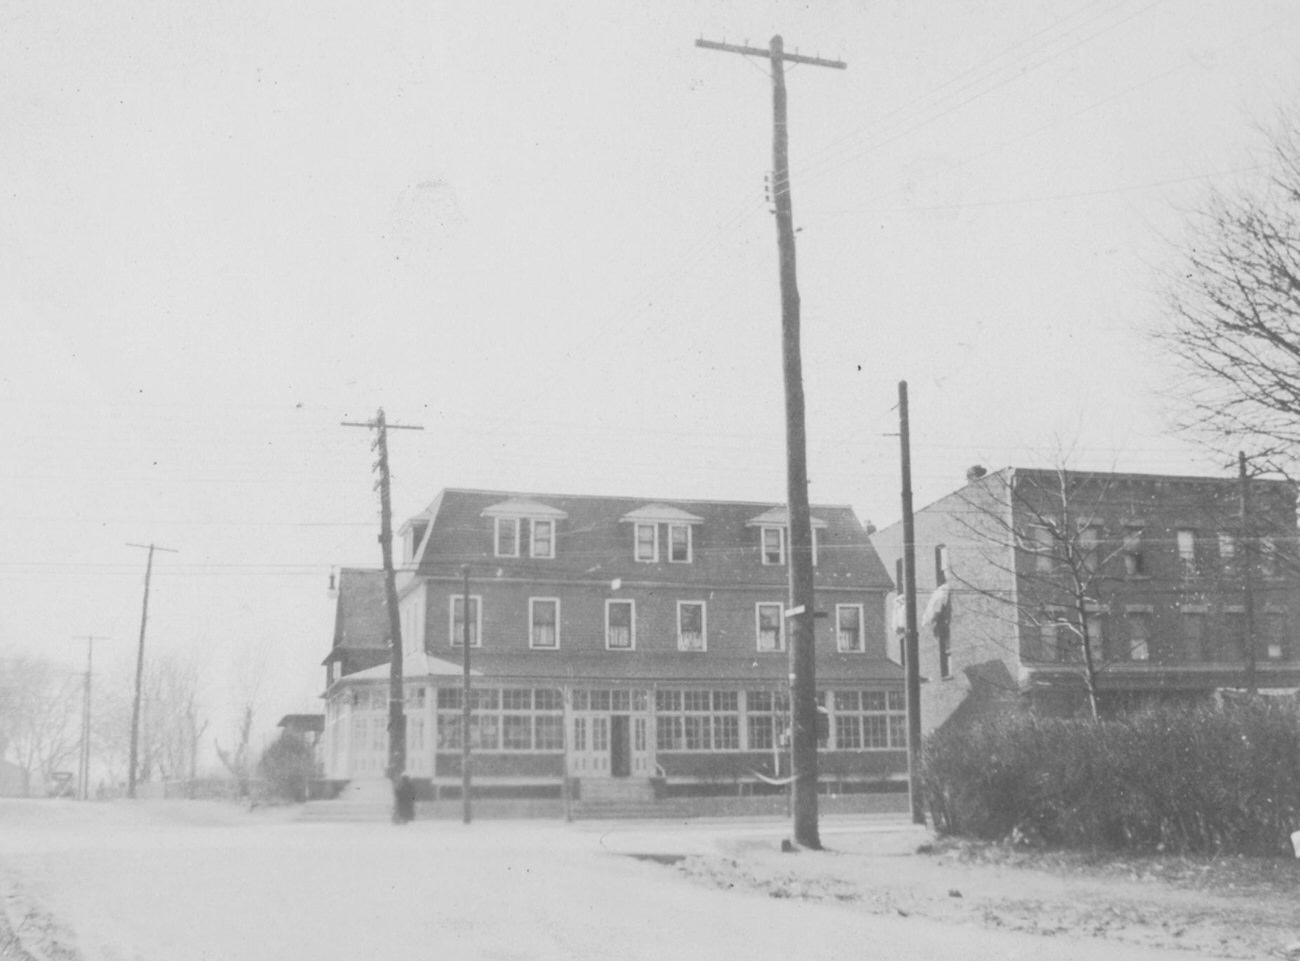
point(404, 810)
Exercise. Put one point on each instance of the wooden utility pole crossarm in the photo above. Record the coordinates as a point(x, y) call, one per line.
point(396, 689)
point(803, 681)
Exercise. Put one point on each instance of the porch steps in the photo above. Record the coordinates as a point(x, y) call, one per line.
point(631, 798)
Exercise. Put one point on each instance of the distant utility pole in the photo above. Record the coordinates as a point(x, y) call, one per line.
point(139, 665)
point(803, 681)
point(911, 646)
point(396, 694)
point(83, 761)
point(1249, 552)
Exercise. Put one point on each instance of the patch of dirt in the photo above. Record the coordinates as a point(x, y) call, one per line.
point(1228, 907)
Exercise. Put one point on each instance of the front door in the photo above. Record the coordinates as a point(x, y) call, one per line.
point(620, 745)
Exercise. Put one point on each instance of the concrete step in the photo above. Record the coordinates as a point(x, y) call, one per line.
point(632, 790)
point(631, 810)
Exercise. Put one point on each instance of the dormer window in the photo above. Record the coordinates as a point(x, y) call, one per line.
point(774, 538)
point(773, 545)
point(524, 528)
point(507, 539)
point(543, 540)
point(647, 543)
point(656, 522)
point(679, 543)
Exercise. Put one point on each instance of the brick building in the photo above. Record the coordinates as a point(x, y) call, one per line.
point(621, 638)
point(1158, 575)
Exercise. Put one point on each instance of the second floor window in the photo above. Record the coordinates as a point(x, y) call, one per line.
point(544, 618)
point(690, 626)
point(1135, 564)
point(458, 621)
point(620, 625)
point(848, 627)
point(770, 635)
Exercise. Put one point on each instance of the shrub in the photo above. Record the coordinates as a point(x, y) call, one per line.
point(287, 766)
point(1189, 780)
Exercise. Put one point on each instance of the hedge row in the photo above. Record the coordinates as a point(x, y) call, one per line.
point(1203, 780)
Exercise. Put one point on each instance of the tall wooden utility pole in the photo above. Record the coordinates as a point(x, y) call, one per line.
point(803, 680)
point(911, 645)
point(466, 706)
point(396, 694)
point(83, 761)
point(139, 666)
point(1249, 553)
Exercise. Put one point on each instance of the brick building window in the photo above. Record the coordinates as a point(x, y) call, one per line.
point(1186, 539)
point(458, 621)
point(848, 628)
point(544, 622)
point(691, 626)
point(620, 625)
point(771, 636)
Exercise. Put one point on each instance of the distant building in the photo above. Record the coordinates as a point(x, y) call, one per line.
point(1166, 562)
point(618, 638)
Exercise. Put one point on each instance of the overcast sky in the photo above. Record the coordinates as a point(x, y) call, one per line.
point(539, 230)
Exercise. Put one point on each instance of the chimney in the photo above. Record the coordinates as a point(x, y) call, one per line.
point(975, 473)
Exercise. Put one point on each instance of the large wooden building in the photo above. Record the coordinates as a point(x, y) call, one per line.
point(615, 638)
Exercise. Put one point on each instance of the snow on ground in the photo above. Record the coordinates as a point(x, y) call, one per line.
point(184, 881)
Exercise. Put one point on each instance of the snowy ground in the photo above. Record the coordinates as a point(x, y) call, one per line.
point(183, 881)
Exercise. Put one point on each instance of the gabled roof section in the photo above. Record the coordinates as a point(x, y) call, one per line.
point(524, 507)
point(660, 514)
point(779, 517)
point(361, 614)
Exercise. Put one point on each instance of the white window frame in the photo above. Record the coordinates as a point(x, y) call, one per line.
point(532, 540)
point(690, 546)
point(654, 543)
point(862, 626)
point(457, 637)
point(704, 626)
point(780, 627)
point(532, 601)
point(632, 640)
point(496, 535)
point(762, 544)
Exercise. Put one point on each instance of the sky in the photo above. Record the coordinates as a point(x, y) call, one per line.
point(539, 231)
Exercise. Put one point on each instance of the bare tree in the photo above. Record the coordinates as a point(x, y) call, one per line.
point(238, 759)
point(172, 719)
point(1233, 318)
point(40, 704)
